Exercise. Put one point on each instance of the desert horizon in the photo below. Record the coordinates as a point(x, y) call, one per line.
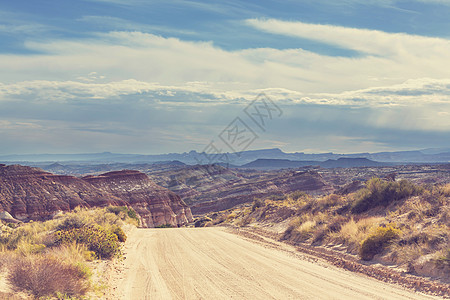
point(206, 149)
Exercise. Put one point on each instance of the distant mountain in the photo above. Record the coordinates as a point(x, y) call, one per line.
point(193, 157)
point(343, 162)
point(347, 162)
point(435, 150)
point(271, 164)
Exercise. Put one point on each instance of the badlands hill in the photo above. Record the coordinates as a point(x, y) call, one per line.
point(209, 188)
point(32, 194)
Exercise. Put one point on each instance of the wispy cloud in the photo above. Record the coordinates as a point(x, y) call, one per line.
point(119, 24)
point(372, 42)
point(151, 58)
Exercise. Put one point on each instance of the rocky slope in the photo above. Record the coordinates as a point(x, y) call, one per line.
point(213, 188)
point(155, 205)
point(32, 194)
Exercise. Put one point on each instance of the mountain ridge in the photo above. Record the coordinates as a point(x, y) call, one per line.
point(431, 155)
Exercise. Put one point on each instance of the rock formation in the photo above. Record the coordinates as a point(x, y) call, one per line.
point(155, 204)
point(211, 188)
point(32, 194)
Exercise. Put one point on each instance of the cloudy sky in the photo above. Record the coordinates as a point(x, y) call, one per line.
point(151, 76)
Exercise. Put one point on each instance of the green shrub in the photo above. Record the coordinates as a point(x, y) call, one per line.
point(257, 203)
point(121, 236)
point(297, 195)
point(128, 211)
point(104, 243)
point(381, 192)
point(277, 197)
point(167, 225)
point(200, 222)
point(376, 242)
point(73, 221)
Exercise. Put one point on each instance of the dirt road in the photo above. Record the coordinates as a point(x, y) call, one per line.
point(209, 263)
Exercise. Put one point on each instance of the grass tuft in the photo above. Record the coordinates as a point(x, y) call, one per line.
point(377, 242)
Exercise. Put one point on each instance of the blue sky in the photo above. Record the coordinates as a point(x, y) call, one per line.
point(169, 76)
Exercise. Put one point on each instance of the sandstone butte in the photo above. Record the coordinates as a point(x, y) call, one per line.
point(32, 194)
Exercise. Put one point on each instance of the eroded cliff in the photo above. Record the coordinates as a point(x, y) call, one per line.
point(32, 194)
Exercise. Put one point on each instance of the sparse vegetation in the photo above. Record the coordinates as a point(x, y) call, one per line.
point(382, 192)
point(104, 243)
point(123, 212)
point(51, 258)
point(164, 226)
point(201, 222)
point(361, 223)
point(376, 242)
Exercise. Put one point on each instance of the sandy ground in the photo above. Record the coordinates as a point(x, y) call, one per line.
point(210, 263)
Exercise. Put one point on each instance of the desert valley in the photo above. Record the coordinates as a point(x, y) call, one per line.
point(208, 149)
point(385, 221)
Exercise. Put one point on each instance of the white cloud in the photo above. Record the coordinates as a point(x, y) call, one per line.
point(145, 57)
point(373, 42)
point(402, 82)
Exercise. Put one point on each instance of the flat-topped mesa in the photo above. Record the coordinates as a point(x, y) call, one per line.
point(31, 194)
point(156, 205)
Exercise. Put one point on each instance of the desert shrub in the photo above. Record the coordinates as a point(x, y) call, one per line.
point(297, 195)
point(71, 253)
point(244, 221)
point(127, 211)
point(352, 233)
point(220, 219)
point(443, 261)
point(74, 221)
point(336, 223)
point(231, 217)
point(46, 276)
point(319, 235)
point(446, 190)
point(257, 204)
point(104, 243)
point(208, 224)
point(381, 192)
point(121, 236)
point(200, 222)
point(24, 235)
point(300, 230)
point(376, 242)
point(26, 248)
point(329, 200)
point(277, 197)
point(164, 226)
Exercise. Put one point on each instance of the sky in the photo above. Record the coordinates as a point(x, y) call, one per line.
point(149, 77)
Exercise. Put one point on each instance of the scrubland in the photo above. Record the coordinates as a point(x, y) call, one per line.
point(398, 223)
point(58, 258)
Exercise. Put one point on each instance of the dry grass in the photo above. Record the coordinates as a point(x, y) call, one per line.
point(46, 276)
point(37, 264)
point(378, 241)
point(446, 190)
point(421, 214)
point(71, 253)
point(353, 233)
